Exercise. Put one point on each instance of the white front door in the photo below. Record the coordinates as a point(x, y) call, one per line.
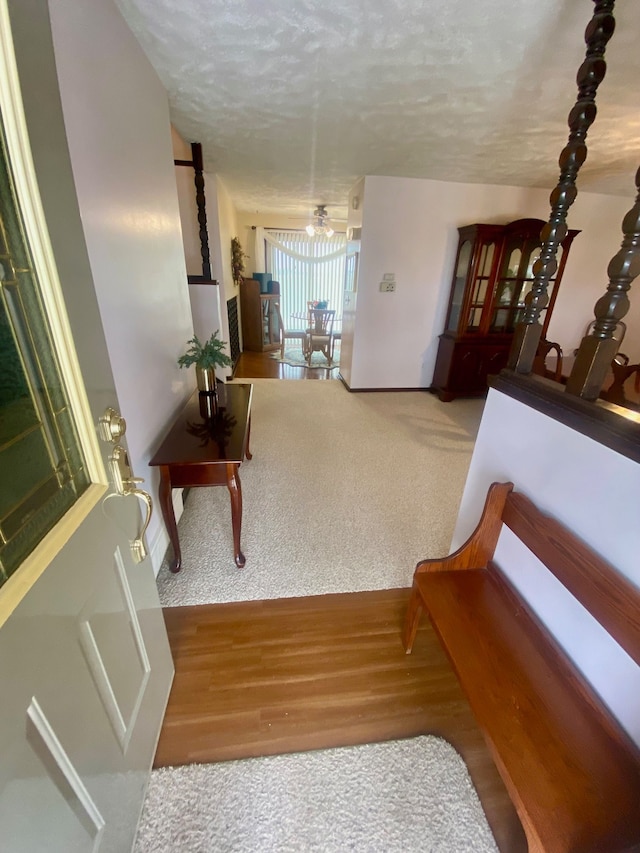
point(85, 667)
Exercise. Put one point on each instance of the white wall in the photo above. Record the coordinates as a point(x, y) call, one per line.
point(185, 184)
point(410, 229)
point(206, 312)
point(204, 298)
point(207, 302)
point(227, 224)
point(117, 122)
point(209, 305)
point(593, 491)
point(350, 294)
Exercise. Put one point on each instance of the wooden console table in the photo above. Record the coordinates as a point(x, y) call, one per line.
point(203, 449)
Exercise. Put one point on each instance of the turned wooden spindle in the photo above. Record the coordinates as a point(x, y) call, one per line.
point(590, 74)
point(196, 153)
point(598, 348)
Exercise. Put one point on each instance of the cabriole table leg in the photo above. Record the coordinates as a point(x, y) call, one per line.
point(166, 504)
point(235, 492)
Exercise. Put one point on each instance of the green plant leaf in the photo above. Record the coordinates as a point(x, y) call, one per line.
point(209, 354)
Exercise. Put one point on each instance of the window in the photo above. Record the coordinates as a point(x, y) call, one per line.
point(308, 269)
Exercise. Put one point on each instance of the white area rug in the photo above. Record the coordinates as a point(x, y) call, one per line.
point(293, 355)
point(396, 797)
point(345, 493)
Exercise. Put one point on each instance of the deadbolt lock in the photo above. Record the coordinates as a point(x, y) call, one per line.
point(112, 426)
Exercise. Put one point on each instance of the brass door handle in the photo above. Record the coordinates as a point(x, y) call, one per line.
point(112, 428)
point(138, 548)
point(126, 484)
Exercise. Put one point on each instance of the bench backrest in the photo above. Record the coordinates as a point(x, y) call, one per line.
point(610, 597)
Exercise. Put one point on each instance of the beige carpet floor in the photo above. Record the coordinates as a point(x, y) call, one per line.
point(345, 493)
point(407, 796)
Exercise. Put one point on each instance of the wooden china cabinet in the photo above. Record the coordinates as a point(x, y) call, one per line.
point(492, 276)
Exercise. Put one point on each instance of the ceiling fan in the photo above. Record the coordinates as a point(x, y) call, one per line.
point(320, 225)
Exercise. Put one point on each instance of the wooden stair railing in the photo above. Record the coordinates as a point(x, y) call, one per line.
point(583, 114)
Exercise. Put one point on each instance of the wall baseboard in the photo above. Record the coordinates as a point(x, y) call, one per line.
point(161, 541)
point(373, 390)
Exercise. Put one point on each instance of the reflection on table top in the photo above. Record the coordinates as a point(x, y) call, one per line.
point(196, 438)
point(303, 316)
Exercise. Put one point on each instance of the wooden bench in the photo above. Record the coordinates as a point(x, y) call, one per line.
point(571, 771)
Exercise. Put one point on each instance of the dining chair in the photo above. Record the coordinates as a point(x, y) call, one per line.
point(319, 335)
point(621, 392)
point(540, 367)
point(288, 334)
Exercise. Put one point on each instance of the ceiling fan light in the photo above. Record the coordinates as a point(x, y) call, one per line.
point(320, 227)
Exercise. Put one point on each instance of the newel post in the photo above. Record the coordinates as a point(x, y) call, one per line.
point(590, 74)
point(597, 349)
point(198, 166)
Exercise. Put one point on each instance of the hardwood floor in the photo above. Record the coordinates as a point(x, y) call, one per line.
point(265, 677)
point(260, 365)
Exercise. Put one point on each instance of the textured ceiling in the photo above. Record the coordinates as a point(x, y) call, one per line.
point(293, 100)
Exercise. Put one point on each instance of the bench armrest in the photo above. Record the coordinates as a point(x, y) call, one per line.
point(480, 546)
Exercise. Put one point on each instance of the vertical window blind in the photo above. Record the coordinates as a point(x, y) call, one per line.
point(308, 269)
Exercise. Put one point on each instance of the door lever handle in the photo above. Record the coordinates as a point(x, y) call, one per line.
point(126, 484)
point(138, 548)
point(111, 428)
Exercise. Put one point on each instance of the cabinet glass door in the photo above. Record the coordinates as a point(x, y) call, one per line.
point(459, 285)
point(514, 283)
point(480, 290)
point(275, 321)
point(270, 321)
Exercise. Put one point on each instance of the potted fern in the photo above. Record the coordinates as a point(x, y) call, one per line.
point(206, 357)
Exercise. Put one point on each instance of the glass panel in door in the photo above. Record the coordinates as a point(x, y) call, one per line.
point(43, 469)
point(506, 289)
point(457, 294)
point(514, 283)
point(479, 290)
